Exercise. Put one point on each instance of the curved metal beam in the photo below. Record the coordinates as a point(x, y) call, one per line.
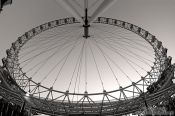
point(102, 8)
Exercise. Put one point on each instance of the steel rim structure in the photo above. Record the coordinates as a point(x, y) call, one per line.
point(128, 63)
point(85, 104)
point(160, 52)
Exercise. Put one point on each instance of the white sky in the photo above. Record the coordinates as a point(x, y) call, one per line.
point(156, 16)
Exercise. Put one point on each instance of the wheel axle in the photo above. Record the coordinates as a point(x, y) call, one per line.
point(86, 25)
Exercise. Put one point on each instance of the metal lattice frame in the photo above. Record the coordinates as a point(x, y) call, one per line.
point(86, 105)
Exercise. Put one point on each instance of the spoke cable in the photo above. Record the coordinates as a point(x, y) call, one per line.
point(128, 52)
point(114, 50)
point(96, 66)
point(77, 64)
point(30, 59)
point(58, 63)
point(102, 52)
point(40, 40)
point(123, 39)
point(47, 42)
point(64, 62)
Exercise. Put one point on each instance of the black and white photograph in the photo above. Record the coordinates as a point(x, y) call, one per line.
point(87, 57)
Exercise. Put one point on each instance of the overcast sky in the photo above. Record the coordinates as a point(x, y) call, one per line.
point(156, 16)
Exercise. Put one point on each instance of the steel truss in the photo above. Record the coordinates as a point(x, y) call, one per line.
point(158, 79)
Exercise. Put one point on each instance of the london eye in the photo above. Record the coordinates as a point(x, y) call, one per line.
point(87, 65)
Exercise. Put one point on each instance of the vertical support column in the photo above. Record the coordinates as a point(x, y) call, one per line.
point(86, 23)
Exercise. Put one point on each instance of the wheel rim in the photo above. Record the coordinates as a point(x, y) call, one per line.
point(22, 79)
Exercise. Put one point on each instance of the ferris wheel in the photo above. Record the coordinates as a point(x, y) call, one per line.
point(89, 65)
